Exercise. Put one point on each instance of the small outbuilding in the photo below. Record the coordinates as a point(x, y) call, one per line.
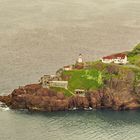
point(67, 68)
point(80, 92)
point(61, 84)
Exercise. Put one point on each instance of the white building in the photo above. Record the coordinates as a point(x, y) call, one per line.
point(119, 58)
point(61, 84)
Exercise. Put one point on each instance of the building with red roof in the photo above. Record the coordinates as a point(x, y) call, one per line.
point(119, 58)
point(67, 68)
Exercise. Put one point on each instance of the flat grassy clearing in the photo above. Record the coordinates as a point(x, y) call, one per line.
point(84, 79)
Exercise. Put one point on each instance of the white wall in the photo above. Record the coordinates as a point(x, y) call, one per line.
point(116, 61)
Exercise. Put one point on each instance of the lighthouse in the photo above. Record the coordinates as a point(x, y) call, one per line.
point(80, 59)
point(79, 63)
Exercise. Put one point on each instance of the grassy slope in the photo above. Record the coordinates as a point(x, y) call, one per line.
point(134, 56)
point(84, 79)
point(91, 77)
point(134, 59)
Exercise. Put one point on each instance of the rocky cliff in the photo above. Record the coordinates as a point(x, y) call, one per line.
point(117, 94)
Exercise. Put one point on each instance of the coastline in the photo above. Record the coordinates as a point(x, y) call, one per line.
point(85, 85)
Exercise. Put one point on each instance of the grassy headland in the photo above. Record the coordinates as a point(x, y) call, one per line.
point(93, 75)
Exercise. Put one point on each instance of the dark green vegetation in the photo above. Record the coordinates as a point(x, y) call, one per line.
point(134, 56)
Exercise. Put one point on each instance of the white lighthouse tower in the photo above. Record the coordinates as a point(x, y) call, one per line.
point(80, 59)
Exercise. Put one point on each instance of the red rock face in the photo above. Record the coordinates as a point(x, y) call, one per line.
point(32, 88)
point(78, 102)
point(34, 97)
point(117, 94)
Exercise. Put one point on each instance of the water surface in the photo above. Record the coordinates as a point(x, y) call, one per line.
point(76, 125)
point(40, 36)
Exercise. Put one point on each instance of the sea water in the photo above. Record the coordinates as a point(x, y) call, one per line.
point(39, 36)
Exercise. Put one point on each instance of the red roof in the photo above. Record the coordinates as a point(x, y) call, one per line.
point(115, 56)
point(67, 66)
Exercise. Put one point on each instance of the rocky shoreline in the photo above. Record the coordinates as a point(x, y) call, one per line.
point(117, 95)
point(120, 89)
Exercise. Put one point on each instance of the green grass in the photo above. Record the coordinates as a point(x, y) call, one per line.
point(96, 65)
point(134, 56)
point(84, 79)
point(135, 60)
point(62, 90)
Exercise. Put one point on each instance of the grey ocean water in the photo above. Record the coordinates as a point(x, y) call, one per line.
point(40, 36)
